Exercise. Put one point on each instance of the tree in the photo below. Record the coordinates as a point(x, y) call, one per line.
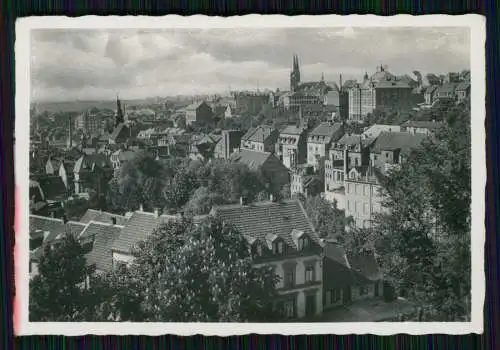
point(202, 274)
point(326, 218)
point(424, 240)
point(57, 293)
point(201, 201)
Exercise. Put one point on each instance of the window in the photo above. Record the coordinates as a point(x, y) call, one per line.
point(356, 161)
point(365, 208)
point(348, 188)
point(290, 278)
point(357, 189)
point(303, 243)
point(258, 250)
point(348, 205)
point(309, 274)
point(278, 247)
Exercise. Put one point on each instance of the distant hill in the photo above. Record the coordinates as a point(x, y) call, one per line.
point(80, 106)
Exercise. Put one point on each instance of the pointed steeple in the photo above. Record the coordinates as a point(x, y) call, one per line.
point(322, 77)
point(119, 112)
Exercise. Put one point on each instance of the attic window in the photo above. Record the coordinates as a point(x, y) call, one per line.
point(303, 243)
point(278, 247)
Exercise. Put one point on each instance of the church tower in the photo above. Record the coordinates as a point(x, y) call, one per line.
point(69, 139)
point(119, 113)
point(295, 74)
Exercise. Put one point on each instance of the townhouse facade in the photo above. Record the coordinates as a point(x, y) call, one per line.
point(292, 146)
point(319, 141)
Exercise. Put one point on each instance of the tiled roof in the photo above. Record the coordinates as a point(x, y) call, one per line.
point(103, 237)
point(138, 228)
point(326, 129)
point(55, 227)
point(116, 131)
point(292, 130)
point(258, 134)
point(102, 216)
point(52, 186)
point(446, 88)
point(87, 161)
point(350, 139)
point(422, 124)
point(265, 219)
point(463, 86)
point(253, 159)
point(387, 141)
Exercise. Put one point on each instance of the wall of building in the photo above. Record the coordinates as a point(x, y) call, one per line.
point(316, 151)
point(363, 200)
point(361, 102)
point(357, 294)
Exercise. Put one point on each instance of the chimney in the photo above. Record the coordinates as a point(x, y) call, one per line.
point(340, 87)
point(113, 220)
point(141, 208)
point(157, 212)
point(271, 197)
point(242, 200)
point(65, 219)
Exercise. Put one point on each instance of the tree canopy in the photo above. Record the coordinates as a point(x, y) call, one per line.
point(424, 240)
point(327, 219)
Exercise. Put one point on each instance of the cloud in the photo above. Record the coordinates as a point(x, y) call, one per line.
point(96, 64)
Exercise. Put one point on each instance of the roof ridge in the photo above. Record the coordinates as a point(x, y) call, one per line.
point(46, 217)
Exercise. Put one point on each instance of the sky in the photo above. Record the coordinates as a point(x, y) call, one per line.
point(92, 64)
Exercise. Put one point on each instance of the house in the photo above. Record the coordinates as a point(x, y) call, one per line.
point(228, 144)
point(374, 130)
point(319, 141)
point(45, 230)
point(120, 157)
point(430, 94)
point(103, 217)
point(292, 146)
point(202, 146)
point(421, 127)
point(137, 228)
point(268, 165)
point(198, 113)
point(92, 173)
point(462, 91)
point(389, 147)
point(38, 203)
point(348, 278)
point(53, 188)
point(280, 234)
point(446, 92)
point(363, 196)
point(262, 138)
point(98, 238)
point(305, 182)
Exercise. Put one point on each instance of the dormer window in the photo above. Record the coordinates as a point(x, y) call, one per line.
point(278, 247)
point(303, 243)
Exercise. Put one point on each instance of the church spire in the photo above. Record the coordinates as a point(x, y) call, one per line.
point(119, 112)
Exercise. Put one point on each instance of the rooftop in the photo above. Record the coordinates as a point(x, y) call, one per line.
point(103, 236)
point(263, 220)
point(102, 216)
point(253, 159)
point(388, 141)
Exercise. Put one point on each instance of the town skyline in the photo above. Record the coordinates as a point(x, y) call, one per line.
point(84, 65)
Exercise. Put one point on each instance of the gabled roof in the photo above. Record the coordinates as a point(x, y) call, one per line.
point(326, 129)
point(138, 228)
point(350, 139)
point(390, 141)
point(87, 162)
point(268, 219)
point(117, 130)
point(446, 88)
point(102, 216)
point(258, 134)
point(463, 86)
point(293, 130)
point(194, 106)
point(52, 186)
point(103, 236)
point(253, 159)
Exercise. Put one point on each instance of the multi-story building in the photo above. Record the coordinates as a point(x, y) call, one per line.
point(382, 90)
point(320, 139)
point(462, 91)
point(228, 144)
point(120, 157)
point(262, 139)
point(446, 92)
point(198, 113)
point(292, 247)
point(292, 146)
point(250, 102)
point(90, 122)
point(363, 196)
point(92, 173)
point(389, 148)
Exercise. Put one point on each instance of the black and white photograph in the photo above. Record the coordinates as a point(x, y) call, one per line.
point(262, 172)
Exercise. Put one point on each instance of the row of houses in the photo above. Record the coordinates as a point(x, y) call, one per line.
point(315, 275)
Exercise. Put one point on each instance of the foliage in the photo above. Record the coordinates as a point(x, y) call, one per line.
point(424, 240)
point(201, 201)
point(202, 274)
point(327, 219)
point(56, 293)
